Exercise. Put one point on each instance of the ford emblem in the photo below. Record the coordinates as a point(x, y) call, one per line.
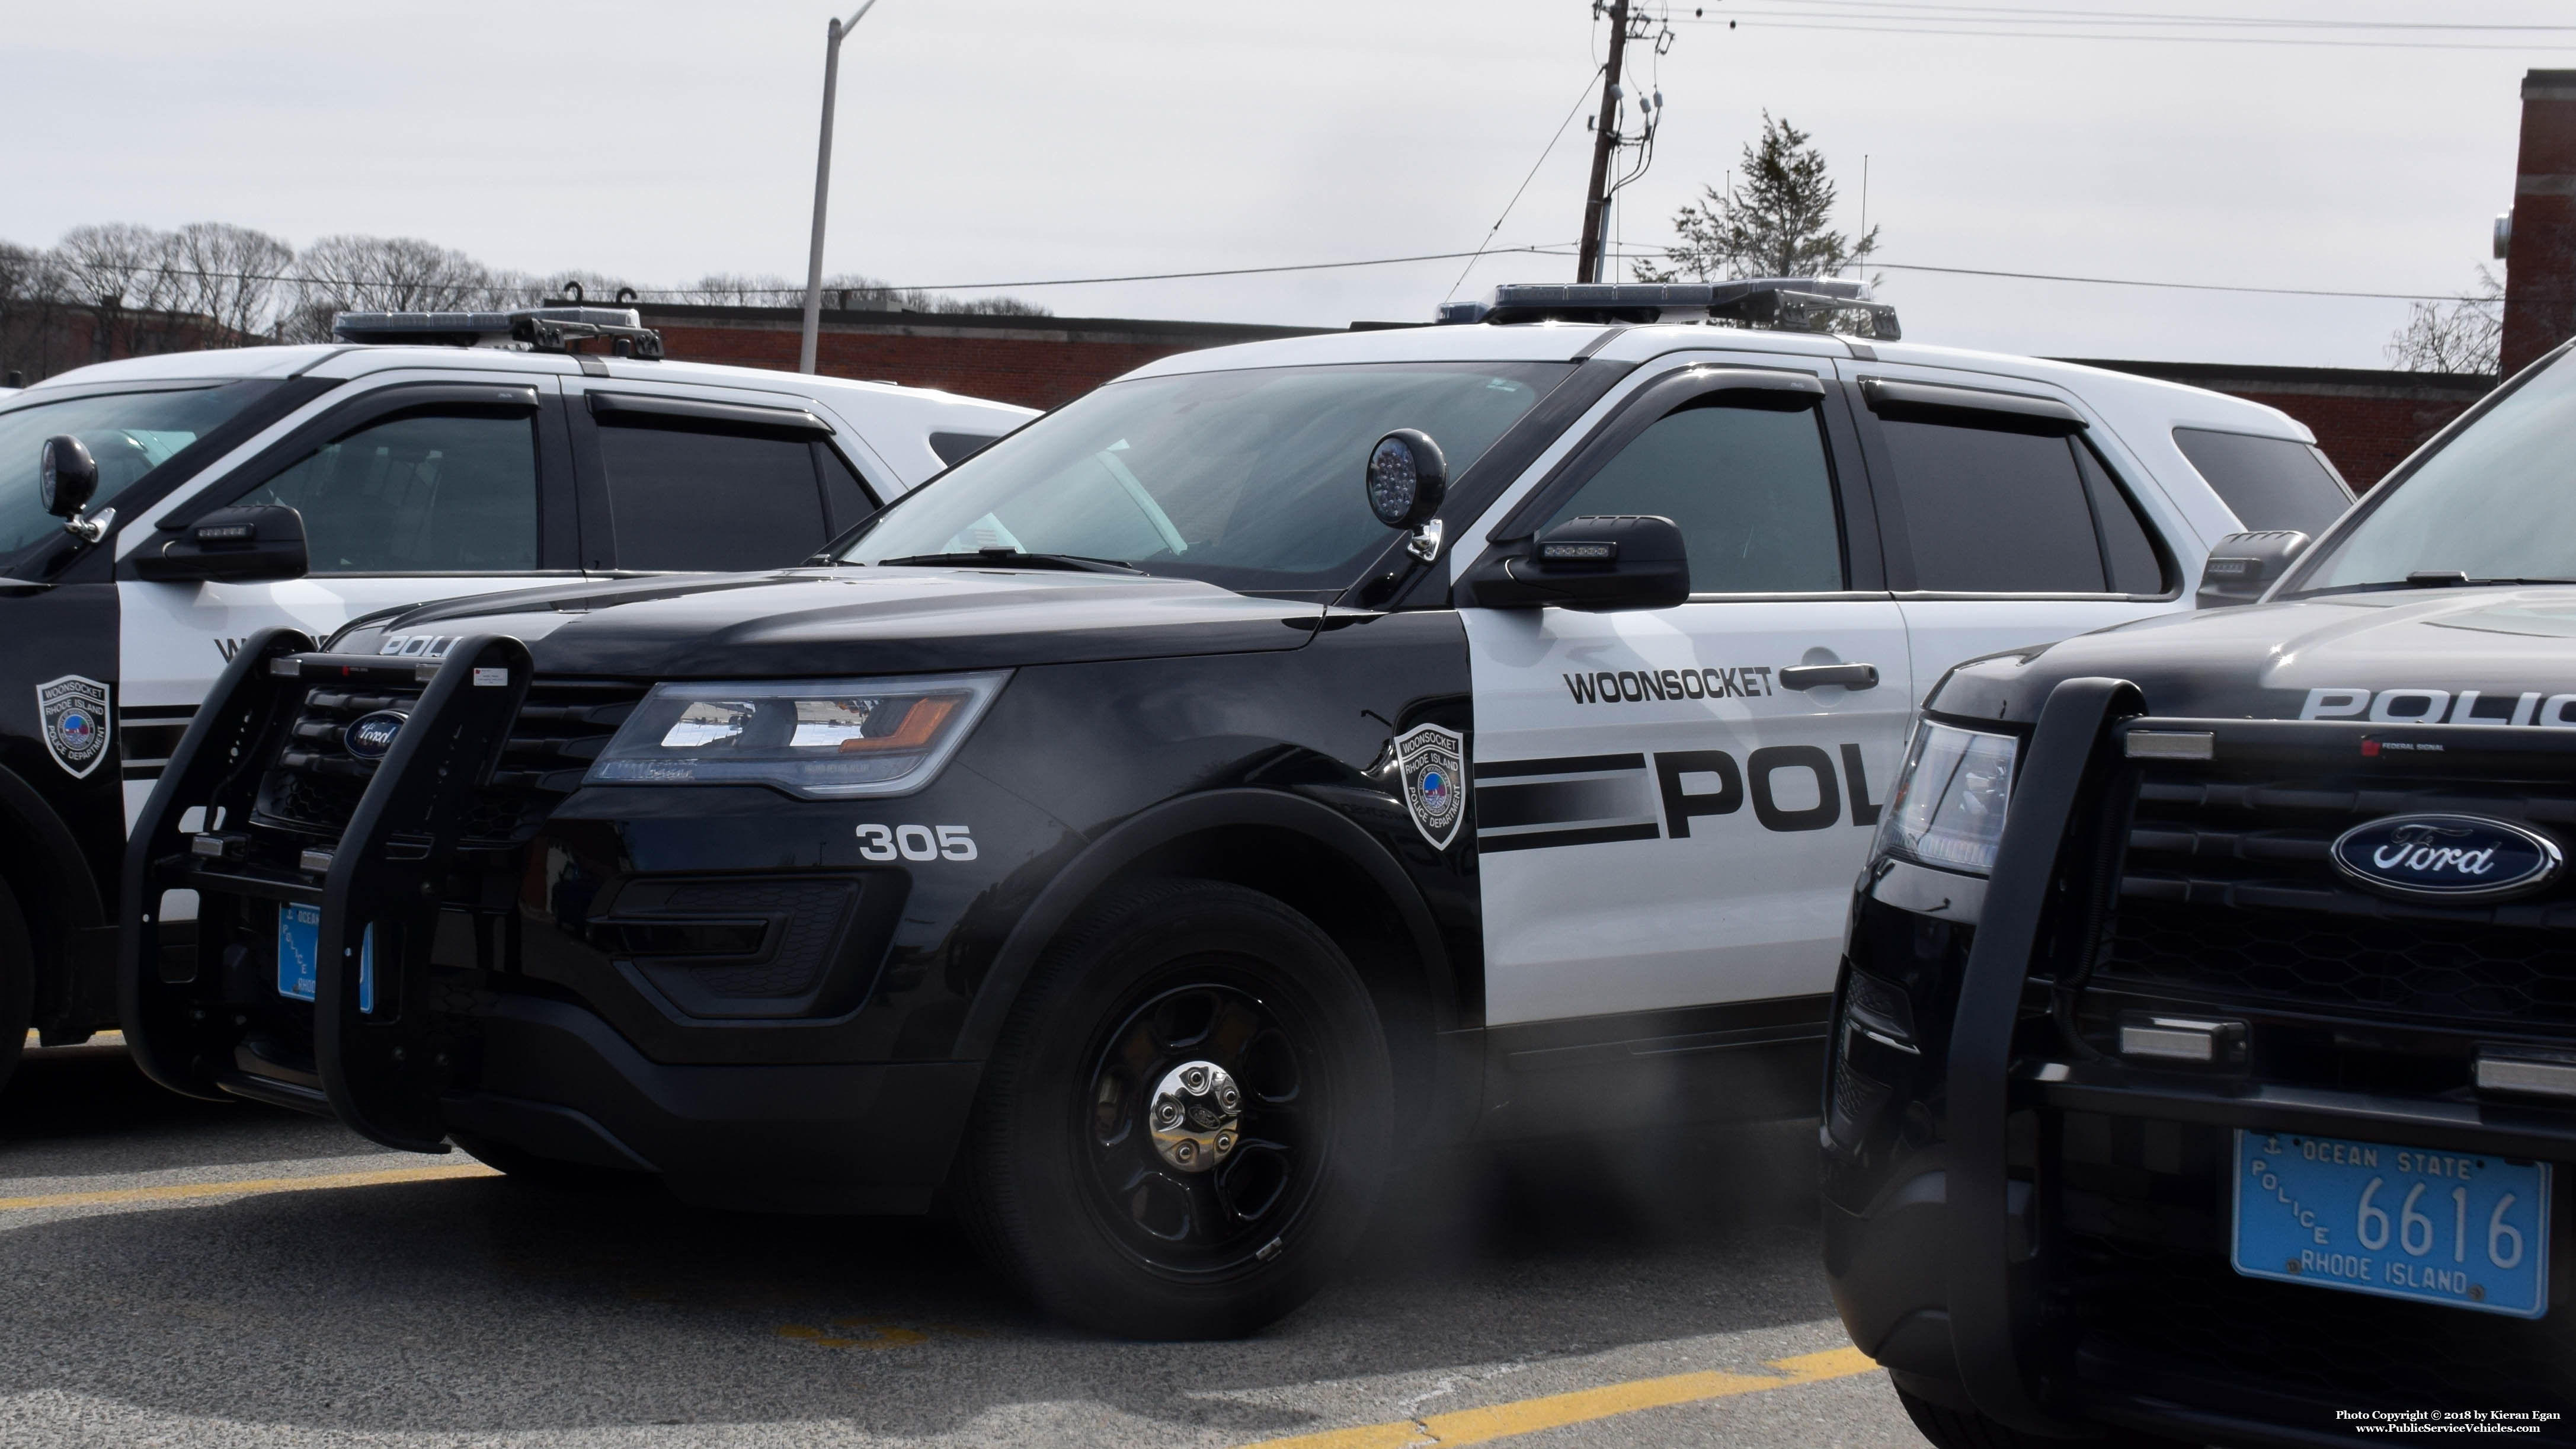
point(2447, 857)
point(370, 735)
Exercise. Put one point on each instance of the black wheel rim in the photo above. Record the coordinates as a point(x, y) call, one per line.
point(1221, 1219)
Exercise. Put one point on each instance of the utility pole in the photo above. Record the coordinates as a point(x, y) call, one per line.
point(1596, 202)
point(822, 189)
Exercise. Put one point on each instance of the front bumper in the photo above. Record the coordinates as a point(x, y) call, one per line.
point(2041, 1234)
point(720, 985)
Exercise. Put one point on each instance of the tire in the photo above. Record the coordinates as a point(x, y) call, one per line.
point(1967, 1429)
point(1070, 1192)
point(17, 984)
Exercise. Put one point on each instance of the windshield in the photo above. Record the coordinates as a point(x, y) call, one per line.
point(1247, 479)
point(2498, 501)
point(129, 433)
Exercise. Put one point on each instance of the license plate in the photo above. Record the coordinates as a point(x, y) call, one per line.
point(2462, 1229)
point(299, 933)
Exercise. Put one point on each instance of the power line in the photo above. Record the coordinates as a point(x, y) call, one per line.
point(1897, 9)
point(2162, 286)
point(1546, 249)
point(1549, 150)
point(1763, 20)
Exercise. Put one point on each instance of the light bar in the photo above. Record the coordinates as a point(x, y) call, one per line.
point(1787, 304)
point(541, 329)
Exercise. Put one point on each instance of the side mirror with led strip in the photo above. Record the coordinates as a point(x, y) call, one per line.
point(2242, 565)
point(1596, 562)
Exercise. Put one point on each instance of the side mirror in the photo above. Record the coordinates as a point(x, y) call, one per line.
point(2242, 565)
point(229, 545)
point(66, 476)
point(1597, 563)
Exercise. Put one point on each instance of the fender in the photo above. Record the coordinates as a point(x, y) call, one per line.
point(1131, 839)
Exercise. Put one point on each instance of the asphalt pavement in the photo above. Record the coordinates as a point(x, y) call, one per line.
point(182, 1273)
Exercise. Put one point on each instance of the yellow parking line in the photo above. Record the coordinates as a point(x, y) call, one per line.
point(1555, 1411)
point(182, 1191)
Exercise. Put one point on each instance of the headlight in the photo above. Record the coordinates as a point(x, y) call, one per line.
point(826, 738)
point(1948, 807)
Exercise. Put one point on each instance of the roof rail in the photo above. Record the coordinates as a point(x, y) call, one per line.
point(1784, 304)
point(532, 329)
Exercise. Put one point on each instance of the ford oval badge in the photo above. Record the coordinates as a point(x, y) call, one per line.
point(2447, 857)
point(370, 735)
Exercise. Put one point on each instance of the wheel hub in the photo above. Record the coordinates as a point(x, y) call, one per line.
point(1195, 1116)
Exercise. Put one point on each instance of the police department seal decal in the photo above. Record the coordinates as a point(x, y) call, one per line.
point(1433, 764)
point(74, 711)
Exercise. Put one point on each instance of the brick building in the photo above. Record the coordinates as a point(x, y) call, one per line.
point(2366, 420)
point(1038, 362)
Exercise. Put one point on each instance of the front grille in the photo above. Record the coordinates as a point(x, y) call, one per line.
point(2228, 893)
point(2157, 1308)
point(315, 785)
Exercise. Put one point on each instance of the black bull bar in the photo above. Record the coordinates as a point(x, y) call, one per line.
point(381, 1067)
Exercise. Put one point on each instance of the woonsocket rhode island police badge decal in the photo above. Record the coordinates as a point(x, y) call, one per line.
point(1433, 764)
point(74, 711)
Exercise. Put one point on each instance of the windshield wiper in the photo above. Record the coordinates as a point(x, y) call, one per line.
point(1011, 558)
point(2422, 579)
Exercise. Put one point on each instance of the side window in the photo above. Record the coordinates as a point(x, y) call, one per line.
point(1990, 511)
point(419, 493)
point(2267, 482)
point(1750, 488)
point(681, 498)
point(2129, 554)
point(853, 502)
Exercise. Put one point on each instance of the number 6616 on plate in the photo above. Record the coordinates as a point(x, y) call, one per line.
point(2462, 1229)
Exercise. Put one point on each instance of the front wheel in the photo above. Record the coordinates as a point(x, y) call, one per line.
point(1185, 1123)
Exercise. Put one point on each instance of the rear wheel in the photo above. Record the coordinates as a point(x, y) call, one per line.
point(17, 983)
point(1185, 1123)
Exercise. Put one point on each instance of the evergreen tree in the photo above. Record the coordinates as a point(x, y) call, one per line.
point(1769, 222)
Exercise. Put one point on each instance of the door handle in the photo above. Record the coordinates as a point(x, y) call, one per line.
point(1817, 676)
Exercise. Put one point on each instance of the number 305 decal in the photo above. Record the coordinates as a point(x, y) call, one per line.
point(916, 842)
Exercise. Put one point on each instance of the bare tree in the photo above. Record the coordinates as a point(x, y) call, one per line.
point(2462, 335)
point(350, 273)
point(115, 270)
point(232, 275)
point(1771, 222)
point(31, 304)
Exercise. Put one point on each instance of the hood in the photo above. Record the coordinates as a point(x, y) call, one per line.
point(805, 623)
point(2403, 657)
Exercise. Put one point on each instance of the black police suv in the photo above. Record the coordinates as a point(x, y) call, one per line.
point(1178, 811)
point(2205, 1051)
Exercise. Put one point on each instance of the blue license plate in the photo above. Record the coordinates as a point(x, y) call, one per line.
point(299, 933)
point(2462, 1229)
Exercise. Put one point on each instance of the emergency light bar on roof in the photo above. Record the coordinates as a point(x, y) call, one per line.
point(537, 329)
point(1785, 304)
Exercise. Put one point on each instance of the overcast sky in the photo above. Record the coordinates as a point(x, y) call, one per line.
point(999, 140)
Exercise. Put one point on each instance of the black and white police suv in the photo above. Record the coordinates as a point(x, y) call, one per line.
point(1281, 754)
point(2206, 1048)
point(205, 496)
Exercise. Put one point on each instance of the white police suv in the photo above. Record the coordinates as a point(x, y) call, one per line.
point(1143, 830)
point(206, 496)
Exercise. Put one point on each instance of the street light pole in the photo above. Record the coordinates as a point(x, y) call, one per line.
point(822, 188)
